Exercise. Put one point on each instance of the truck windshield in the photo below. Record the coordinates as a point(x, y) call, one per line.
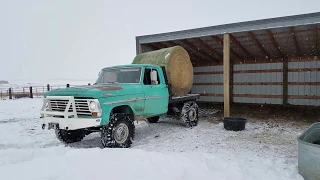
point(119, 75)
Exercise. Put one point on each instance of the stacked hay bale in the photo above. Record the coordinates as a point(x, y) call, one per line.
point(178, 66)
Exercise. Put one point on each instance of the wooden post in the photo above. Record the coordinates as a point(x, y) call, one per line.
point(48, 87)
point(31, 93)
point(10, 93)
point(226, 74)
point(68, 85)
point(285, 81)
point(140, 49)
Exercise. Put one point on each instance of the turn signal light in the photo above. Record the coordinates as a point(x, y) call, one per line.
point(95, 114)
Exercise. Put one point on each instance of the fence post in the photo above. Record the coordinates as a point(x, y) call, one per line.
point(68, 85)
point(10, 93)
point(48, 87)
point(31, 94)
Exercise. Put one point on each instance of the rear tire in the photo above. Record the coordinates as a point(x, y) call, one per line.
point(154, 119)
point(119, 132)
point(190, 114)
point(69, 136)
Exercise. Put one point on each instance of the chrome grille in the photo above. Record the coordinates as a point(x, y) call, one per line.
point(82, 106)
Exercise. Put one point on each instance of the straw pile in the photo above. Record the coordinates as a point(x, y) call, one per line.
point(178, 67)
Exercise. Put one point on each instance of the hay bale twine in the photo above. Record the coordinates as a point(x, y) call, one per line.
point(178, 67)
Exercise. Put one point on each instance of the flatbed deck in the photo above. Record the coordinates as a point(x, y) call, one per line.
point(188, 97)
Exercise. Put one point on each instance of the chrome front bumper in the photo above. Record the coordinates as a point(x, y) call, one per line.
point(68, 120)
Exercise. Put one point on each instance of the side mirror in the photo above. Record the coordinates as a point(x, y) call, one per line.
point(154, 77)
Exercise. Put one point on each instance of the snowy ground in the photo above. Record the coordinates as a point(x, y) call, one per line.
point(165, 150)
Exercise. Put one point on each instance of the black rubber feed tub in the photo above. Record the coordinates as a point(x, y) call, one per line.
point(234, 123)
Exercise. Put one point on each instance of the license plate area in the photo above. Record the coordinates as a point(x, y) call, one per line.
point(53, 126)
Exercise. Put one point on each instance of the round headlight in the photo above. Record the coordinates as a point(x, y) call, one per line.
point(93, 105)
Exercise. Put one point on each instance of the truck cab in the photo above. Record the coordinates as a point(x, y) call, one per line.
point(121, 95)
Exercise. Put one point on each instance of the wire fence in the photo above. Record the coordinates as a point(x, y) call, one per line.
point(28, 92)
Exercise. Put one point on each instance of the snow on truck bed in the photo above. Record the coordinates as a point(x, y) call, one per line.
point(165, 150)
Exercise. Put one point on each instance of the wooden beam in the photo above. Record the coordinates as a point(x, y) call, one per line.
point(219, 41)
point(274, 42)
point(295, 40)
point(195, 49)
point(208, 48)
point(140, 49)
point(234, 40)
point(285, 81)
point(316, 39)
point(160, 45)
point(254, 38)
point(153, 47)
point(171, 43)
point(226, 74)
point(192, 55)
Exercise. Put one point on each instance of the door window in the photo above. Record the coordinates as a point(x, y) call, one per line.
point(147, 77)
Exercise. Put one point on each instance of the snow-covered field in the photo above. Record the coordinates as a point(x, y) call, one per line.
point(165, 150)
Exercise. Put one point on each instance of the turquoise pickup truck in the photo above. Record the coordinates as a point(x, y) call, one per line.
point(120, 96)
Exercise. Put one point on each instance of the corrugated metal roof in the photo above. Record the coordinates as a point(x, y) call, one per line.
point(286, 21)
point(291, 36)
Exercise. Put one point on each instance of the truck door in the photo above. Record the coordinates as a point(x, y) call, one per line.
point(156, 93)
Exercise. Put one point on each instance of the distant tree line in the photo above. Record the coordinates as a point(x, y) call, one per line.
point(4, 82)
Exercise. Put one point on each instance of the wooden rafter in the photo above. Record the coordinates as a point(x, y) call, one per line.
point(171, 43)
point(195, 51)
point(295, 40)
point(159, 46)
point(316, 38)
point(274, 42)
point(234, 40)
point(153, 47)
point(254, 38)
point(219, 41)
point(192, 55)
point(208, 47)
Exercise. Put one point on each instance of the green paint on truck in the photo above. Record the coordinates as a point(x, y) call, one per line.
point(121, 95)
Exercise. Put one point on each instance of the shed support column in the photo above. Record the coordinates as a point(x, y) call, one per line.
point(226, 74)
point(285, 81)
point(140, 49)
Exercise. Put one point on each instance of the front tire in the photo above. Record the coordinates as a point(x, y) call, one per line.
point(189, 114)
point(119, 132)
point(69, 136)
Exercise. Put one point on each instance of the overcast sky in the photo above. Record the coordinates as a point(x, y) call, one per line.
point(74, 39)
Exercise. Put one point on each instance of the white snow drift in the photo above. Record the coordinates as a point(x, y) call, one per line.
point(165, 150)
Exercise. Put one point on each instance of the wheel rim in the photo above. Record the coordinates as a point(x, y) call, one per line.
point(121, 133)
point(192, 114)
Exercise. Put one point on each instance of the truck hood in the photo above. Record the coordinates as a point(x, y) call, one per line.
point(94, 91)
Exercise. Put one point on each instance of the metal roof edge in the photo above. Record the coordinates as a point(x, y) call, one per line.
point(284, 21)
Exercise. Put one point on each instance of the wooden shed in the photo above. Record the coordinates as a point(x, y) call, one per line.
point(268, 61)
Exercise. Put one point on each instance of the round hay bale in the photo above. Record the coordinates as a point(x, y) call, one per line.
point(178, 67)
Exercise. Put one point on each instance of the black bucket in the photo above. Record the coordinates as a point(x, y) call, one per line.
point(234, 123)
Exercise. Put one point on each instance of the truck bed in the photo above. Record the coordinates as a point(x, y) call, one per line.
point(188, 97)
